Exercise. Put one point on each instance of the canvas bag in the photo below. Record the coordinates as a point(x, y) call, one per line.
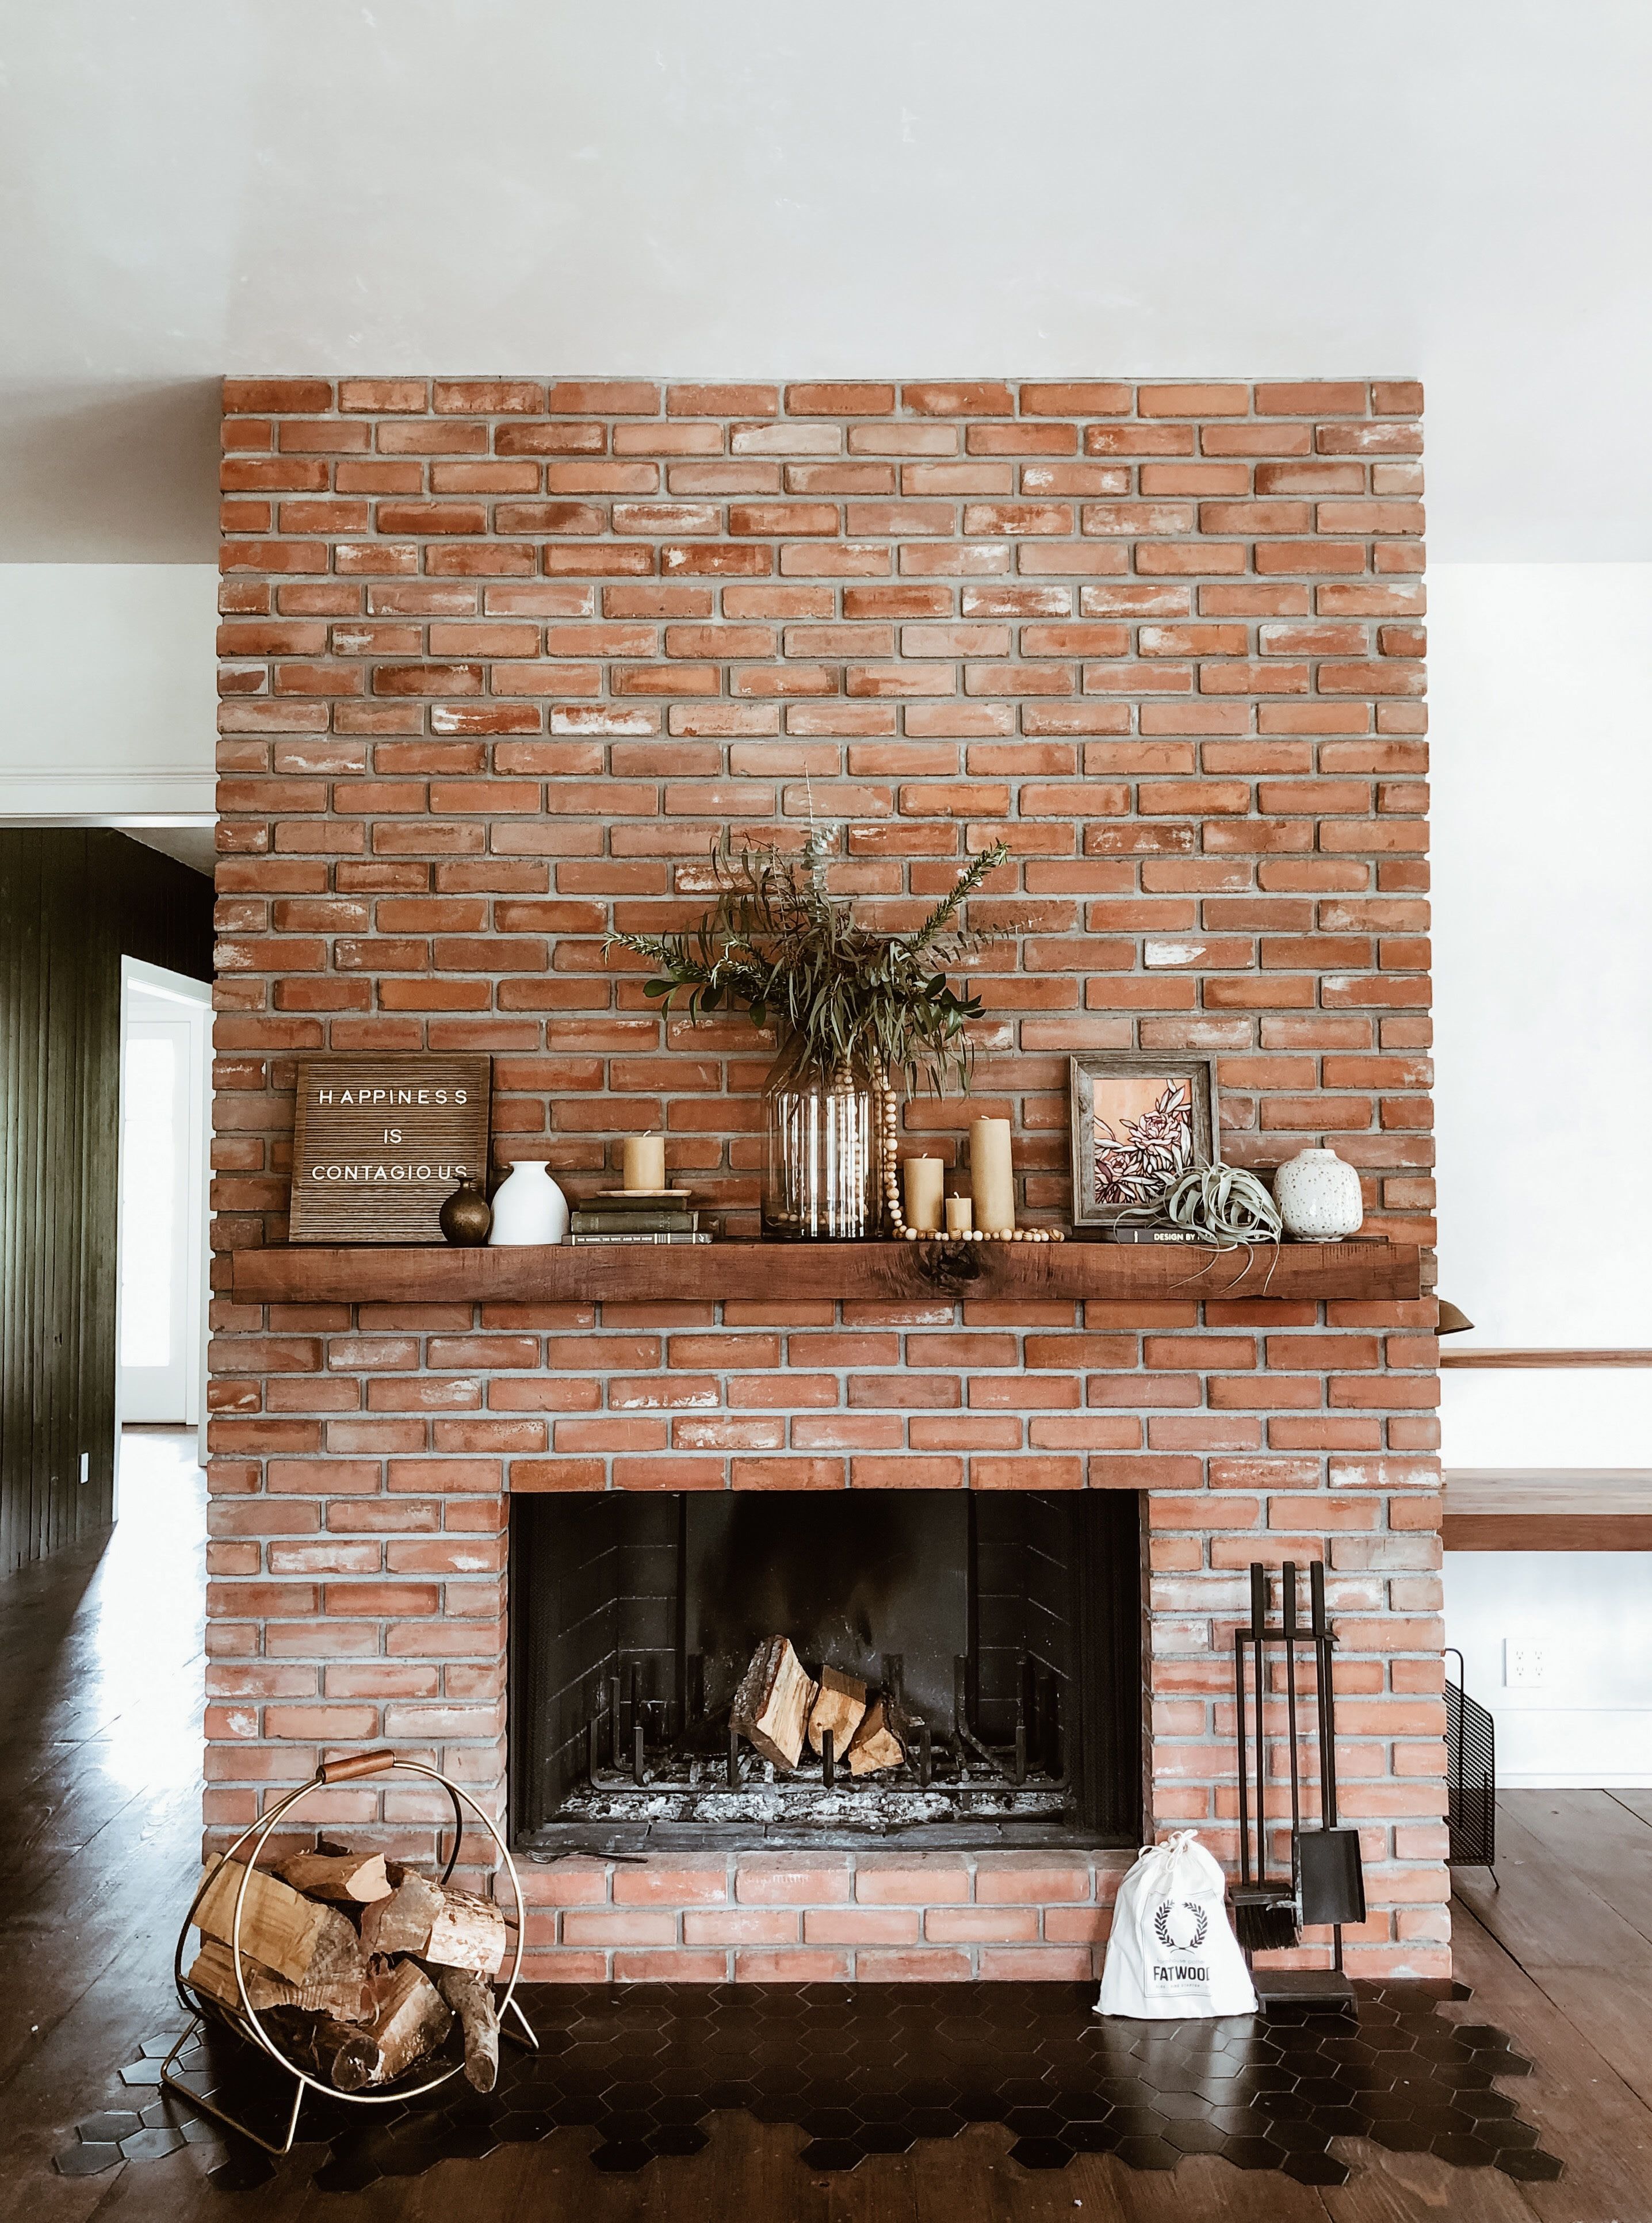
point(1172, 1953)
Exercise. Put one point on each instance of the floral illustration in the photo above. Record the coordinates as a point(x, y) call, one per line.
point(1139, 1154)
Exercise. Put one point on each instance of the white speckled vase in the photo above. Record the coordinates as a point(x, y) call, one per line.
point(1318, 1196)
point(528, 1206)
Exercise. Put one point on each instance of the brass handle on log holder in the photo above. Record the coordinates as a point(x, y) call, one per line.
point(359, 1764)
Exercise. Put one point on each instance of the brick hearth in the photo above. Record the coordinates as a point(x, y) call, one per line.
point(499, 660)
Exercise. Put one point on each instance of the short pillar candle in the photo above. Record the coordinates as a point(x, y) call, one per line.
point(960, 1215)
point(992, 1175)
point(924, 1179)
point(645, 1161)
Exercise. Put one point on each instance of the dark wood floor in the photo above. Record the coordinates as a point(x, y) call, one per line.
point(100, 1667)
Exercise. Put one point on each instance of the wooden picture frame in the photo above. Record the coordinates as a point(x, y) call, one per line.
point(1184, 1134)
point(380, 1142)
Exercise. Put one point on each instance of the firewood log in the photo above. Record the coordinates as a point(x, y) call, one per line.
point(347, 1998)
point(401, 1923)
point(471, 1998)
point(874, 1745)
point(772, 1704)
point(296, 1936)
point(349, 1879)
point(840, 1706)
point(344, 2054)
point(452, 1927)
point(412, 2018)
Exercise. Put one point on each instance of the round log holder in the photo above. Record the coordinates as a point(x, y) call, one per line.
point(203, 2008)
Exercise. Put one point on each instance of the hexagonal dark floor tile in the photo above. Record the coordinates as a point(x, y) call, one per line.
point(1042, 2153)
point(89, 2158)
point(832, 2154)
point(115, 2123)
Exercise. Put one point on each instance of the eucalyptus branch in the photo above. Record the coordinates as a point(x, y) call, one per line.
point(776, 944)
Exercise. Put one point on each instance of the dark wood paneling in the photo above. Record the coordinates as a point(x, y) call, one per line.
point(73, 903)
point(1377, 1273)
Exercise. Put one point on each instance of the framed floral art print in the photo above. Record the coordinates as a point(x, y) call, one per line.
point(1139, 1123)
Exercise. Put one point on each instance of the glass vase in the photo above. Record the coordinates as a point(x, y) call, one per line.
point(819, 1167)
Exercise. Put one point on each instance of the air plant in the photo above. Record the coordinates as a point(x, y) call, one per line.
point(841, 998)
point(1222, 1204)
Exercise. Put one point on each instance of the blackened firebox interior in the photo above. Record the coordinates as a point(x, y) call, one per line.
point(1002, 1633)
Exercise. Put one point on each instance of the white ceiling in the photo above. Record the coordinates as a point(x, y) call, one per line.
point(1458, 188)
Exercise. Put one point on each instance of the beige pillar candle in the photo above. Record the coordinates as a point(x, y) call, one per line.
point(645, 1161)
point(924, 1180)
point(960, 1215)
point(991, 1177)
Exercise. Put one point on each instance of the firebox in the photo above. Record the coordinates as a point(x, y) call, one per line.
point(1002, 1632)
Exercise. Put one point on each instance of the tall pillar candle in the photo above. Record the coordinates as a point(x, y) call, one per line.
point(924, 1180)
point(991, 1177)
point(645, 1161)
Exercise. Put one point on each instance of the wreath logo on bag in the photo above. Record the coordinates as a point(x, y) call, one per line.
point(1162, 1917)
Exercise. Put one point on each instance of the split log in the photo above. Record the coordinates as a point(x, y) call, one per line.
point(772, 1704)
point(401, 1923)
point(296, 1936)
point(347, 1998)
point(452, 1927)
point(840, 1706)
point(471, 1998)
point(874, 1745)
point(349, 1879)
point(412, 2020)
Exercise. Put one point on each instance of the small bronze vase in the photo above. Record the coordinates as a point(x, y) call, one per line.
point(466, 1215)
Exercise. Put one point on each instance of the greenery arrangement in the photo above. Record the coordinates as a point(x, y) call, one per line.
point(842, 999)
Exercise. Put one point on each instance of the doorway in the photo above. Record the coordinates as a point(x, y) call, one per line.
point(162, 1218)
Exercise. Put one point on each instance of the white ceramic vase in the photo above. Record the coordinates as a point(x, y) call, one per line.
point(1318, 1196)
point(528, 1206)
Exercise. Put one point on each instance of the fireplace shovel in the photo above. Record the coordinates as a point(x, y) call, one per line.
point(1330, 1882)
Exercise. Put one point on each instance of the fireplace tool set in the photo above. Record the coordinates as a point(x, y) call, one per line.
point(1326, 1885)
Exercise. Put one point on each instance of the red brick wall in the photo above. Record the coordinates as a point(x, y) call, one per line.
point(499, 659)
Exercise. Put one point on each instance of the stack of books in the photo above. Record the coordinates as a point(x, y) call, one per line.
point(641, 1216)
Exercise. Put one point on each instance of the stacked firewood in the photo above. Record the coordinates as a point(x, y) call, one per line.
point(355, 1965)
point(779, 1706)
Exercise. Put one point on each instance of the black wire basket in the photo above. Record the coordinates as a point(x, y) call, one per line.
point(1470, 1776)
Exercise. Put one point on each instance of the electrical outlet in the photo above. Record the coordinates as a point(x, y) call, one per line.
point(86, 1467)
point(1525, 1662)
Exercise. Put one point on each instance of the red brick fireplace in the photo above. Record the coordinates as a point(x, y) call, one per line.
point(500, 659)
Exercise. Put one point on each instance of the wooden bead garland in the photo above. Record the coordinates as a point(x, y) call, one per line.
point(896, 1210)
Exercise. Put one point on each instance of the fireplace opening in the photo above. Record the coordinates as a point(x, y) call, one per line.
point(1002, 1632)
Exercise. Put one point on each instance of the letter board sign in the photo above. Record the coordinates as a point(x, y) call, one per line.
point(378, 1142)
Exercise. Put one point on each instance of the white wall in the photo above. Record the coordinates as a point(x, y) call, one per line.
point(1542, 783)
point(1590, 1720)
point(107, 701)
point(1541, 719)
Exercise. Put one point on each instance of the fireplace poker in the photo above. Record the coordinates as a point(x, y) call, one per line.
point(1264, 1913)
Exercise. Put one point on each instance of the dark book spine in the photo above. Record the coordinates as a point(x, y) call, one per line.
point(1154, 1235)
point(634, 1223)
point(597, 1241)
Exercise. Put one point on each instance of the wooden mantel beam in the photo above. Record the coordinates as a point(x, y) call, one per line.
point(1374, 1272)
